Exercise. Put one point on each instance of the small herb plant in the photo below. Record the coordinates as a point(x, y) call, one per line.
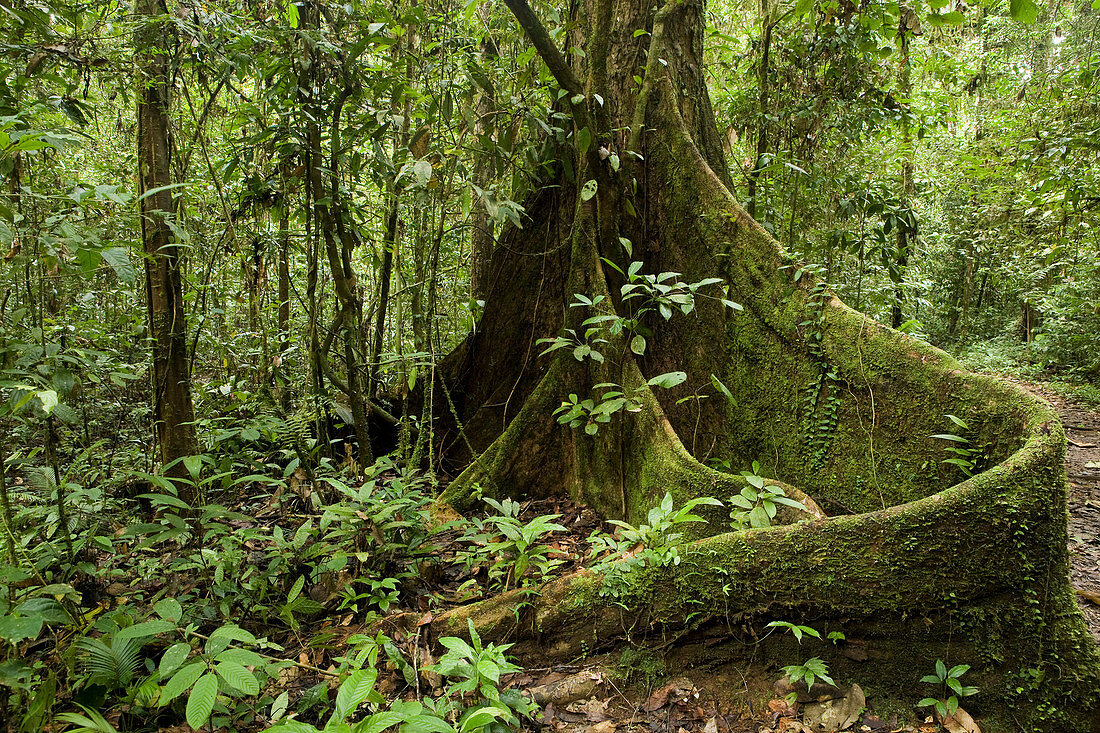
point(512, 549)
point(812, 669)
point(663, 294)
point(379, 595)
point(218, 670)
point(657, 539)
point(965, 455)
point(950, 686)
point(592, 412)
point(757, 504)
point(475, 670)
point(473, 700)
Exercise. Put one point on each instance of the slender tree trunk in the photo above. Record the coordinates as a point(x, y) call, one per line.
point(5, 500)
point(392, 237)
point(905, 87)
point(767, 14)
point(283, 322)
point(385, 275)
point(482, 240)
point(327, 212)
point(173, 412)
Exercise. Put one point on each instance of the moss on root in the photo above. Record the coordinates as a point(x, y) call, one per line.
point(916, 566)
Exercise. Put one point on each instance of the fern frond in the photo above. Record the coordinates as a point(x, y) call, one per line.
point(111, 666)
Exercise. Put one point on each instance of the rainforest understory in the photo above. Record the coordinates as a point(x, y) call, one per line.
point(667, 480)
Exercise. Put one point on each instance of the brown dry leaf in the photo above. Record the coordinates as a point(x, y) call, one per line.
point(711, 726)
point(548, 713)
point(961, 722)
point(425, 619)
point(604, 726)
point(551, 678)
point(780, 707)
point(657, 700)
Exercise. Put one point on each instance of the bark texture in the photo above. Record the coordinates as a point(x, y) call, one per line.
point(173, 411)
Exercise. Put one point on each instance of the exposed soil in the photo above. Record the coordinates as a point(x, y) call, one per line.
point(1083, 469)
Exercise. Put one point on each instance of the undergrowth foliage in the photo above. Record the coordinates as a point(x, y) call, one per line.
point(144, 629)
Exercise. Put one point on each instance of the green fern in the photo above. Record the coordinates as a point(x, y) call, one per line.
point(90, 722)
point(112, 666)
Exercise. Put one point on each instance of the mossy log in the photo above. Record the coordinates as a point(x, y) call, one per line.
point(913, 565)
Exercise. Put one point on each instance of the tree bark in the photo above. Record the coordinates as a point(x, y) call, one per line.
point(173, 412)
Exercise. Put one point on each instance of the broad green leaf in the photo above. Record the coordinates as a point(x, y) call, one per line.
point(293, 726)
point(584, 140)
point(481, 717)
point(173, 657)
point(181, 681)
point(48, 609)
point(354, 691)
point(379, 722)
point(637, 344)
point(1025, 11)
point(48, 398)
point(119, 260)
point(422, 169)
point(279, 706)
point(668, 379)
point(718, 385)
point(486, 667)
point(201, 701)
point(589, 190)
point(16, 628)
point(238, 677)
point(168, 609)
point(145, 628)
point(231, 632)
point(246, 657)
point(193, 464)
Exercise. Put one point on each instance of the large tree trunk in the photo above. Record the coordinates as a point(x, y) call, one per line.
point(823, 397)
point(173, 412)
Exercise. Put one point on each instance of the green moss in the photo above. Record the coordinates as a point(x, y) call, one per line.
point(916, 564)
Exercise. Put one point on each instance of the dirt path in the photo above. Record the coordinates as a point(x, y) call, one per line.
point(1083, 469)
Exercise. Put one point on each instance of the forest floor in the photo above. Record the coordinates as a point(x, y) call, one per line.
point(634, 690)
point(1083, 470)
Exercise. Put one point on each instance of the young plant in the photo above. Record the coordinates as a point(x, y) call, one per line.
point(965, 455)
point(812, 669)
point(757, 504)
point(590, 412)
point(950, 686)
point(380, 594)
point(512, 549)
point(218, 670)
point(652, 544)
point(476, 669)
